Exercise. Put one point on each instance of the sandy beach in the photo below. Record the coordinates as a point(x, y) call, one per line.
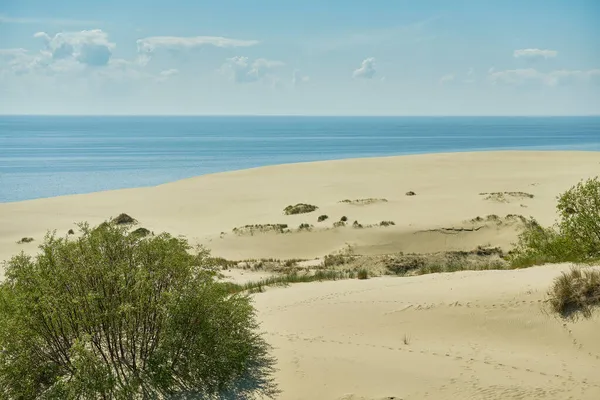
point(464, 335)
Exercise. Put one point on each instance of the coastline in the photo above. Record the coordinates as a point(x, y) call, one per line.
point(448, 187)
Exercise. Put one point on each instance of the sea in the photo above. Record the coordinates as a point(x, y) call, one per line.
point(45, 156)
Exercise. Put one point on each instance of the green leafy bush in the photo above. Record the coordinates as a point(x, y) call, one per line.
point(111, 315)
point(574, 238)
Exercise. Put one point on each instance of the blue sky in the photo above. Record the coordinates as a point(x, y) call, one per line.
point(402, 57)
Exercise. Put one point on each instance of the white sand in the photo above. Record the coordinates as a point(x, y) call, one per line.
point(472, 335)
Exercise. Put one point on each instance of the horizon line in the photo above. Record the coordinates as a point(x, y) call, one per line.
point(311, 115)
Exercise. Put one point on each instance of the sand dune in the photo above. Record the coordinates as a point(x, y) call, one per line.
point(448, 191)
point(466, 335)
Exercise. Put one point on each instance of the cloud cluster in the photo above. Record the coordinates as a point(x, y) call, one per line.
point(366, 69)
point(151, 44)
point(534, 54)
point(90, 48)
point(530, 76)
point(242, 70)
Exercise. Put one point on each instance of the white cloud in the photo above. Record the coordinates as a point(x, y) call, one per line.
point(298, 78)
point(244, 71)
point(88, 47)
point(169, 72)
point(5, 19)
point(534, 54)
point(151, 44)
point(530, 76)
point(366, 70)
point(447, 78)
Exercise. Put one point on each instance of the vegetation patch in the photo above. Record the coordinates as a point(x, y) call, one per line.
point(25, 240)
point(387, 223)
point(575, 292)
point(411, 193)
point(123, 219)
point(506, 197)
point(260, 228)
point(305, 227)
point(362, 273)
point(322, 218)
point(82, 321)
point(71, 232)
point(344, 219)
point(363, 202)
point(141, 232)
point(300, 208)
point(357, 225)
point(339, 224)
point(574, 238)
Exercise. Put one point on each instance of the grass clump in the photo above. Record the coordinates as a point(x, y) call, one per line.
point(574, 238)
point(344, 219)
point(411, 193)
point(362, 274)
point(109, 316)
point(294, 277)
point(322, 218)
point(387, 223)
point(339, 224)
point(25, 240)
point(356, 225)
point(576, 291)
point(300, 208)
point(260, 228)
point(123, 219)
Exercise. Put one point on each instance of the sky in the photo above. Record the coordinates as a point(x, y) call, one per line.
point(309, 57)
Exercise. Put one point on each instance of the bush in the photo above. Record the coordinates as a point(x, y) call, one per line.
point(322, 218)
point(299, 208)
point(387, 223)
point(71, 232)
point(574, 238)
point(123, 219)
point(363, 274)
point(25, 240)
point(575, 291)
point(110, 315)
point(411, 193)
point(344, 219)
point(356, 225)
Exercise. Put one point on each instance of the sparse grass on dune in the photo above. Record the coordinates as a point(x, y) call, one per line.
point(576, 291)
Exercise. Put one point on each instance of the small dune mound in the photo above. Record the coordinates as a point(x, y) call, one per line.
point(123, 219)
point(506, 197)
point(411, 193)
point(576, 291)
point(300, 208)
point(25, 240)
point(141, 232)
point(363, 202)
point(260, 228)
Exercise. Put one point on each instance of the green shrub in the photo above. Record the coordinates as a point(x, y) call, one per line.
point(110, 316)
point(577, 291)
point(574, 238)
point(322, 218)
point(300, 208)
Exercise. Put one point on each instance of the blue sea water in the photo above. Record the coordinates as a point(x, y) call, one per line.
point(44, 156)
